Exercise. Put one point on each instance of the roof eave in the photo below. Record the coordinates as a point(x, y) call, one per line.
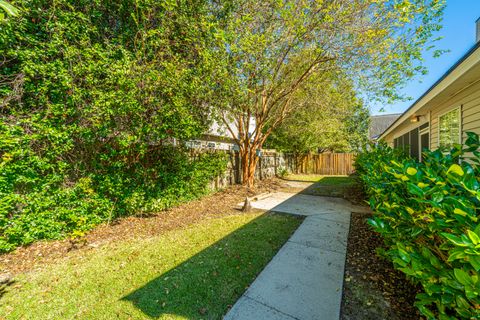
point(423, 99)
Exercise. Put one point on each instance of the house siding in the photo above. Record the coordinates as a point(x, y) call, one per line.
point(469, 101)
point(459, 88)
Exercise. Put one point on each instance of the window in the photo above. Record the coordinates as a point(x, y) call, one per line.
point(449, 128)
point(414, 144)
point(414, 141)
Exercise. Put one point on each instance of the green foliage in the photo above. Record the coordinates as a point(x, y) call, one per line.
point(283, 172)
point(35, 204)
point(8, 9)
point(327, 116)
point(92, 95)
point(428, 215)
point(272, 49)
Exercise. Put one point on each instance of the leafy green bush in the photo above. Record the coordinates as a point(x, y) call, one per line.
point(428, 214)
point(283, 172)
point(45, 207)
point(91, 95)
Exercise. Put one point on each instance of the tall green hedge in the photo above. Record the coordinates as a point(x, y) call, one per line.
point(428, 215)
point(92, 93)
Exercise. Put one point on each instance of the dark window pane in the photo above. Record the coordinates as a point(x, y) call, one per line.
point(406, 139)
point(414, 153)
point(425, 141)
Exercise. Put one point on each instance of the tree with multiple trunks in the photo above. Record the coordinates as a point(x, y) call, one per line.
point(273, 48)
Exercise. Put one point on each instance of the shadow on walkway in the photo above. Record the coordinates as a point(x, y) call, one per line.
point(210, 282)
point(330, 186)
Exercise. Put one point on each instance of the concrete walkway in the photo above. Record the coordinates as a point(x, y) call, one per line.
point(304, 280)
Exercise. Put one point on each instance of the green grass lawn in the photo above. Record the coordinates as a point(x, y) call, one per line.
point(323, 180)
point(332, 186)
point(191, 273)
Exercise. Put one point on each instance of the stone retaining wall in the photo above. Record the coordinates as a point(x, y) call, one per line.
point(269, 165)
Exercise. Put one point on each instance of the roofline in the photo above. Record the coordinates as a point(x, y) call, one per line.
point(386, 114)
point(446, 74)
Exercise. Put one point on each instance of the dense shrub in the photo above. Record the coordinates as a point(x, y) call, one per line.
point(428, 214)
point(35, 204)
point(92, 93)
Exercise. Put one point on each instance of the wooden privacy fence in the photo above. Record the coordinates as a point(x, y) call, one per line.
point(273, 163)
point(324, 163)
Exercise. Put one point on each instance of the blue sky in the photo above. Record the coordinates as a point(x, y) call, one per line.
point(458, 36)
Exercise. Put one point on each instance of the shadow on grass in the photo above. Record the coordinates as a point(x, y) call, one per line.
point(208, 283)
point(346, 187)
point(4, 286)
point(330, 186)
point(336, 180)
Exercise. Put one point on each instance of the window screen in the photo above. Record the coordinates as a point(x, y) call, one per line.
point(406, 142)
point(414, 141)
point(414, 145)
point(425, 141)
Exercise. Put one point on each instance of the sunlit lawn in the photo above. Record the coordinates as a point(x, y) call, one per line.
point(324, 180)
point(334, 186)
point(191, 273)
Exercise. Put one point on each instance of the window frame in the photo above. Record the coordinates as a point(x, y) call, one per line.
point(459, 109)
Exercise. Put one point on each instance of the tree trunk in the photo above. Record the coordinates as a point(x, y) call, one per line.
point(244, 165)
point(249, 160)
point(251, 172)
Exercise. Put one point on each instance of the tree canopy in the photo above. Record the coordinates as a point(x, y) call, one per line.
point(273, 48)
point(328, 116)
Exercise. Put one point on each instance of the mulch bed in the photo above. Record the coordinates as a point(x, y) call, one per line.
point(372, 288)
point(41, 253)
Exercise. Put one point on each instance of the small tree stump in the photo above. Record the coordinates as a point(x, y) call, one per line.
point(247, 205)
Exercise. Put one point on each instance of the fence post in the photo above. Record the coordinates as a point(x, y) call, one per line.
point(237, 168)
point(275, 163)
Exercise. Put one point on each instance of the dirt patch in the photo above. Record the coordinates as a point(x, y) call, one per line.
point(355, 193)
point(41, 253)
point(372, 288)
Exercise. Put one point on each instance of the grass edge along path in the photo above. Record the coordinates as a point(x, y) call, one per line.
point(326, 186)
point(196, 272)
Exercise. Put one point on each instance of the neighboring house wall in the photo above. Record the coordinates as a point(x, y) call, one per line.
point(218, 137)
